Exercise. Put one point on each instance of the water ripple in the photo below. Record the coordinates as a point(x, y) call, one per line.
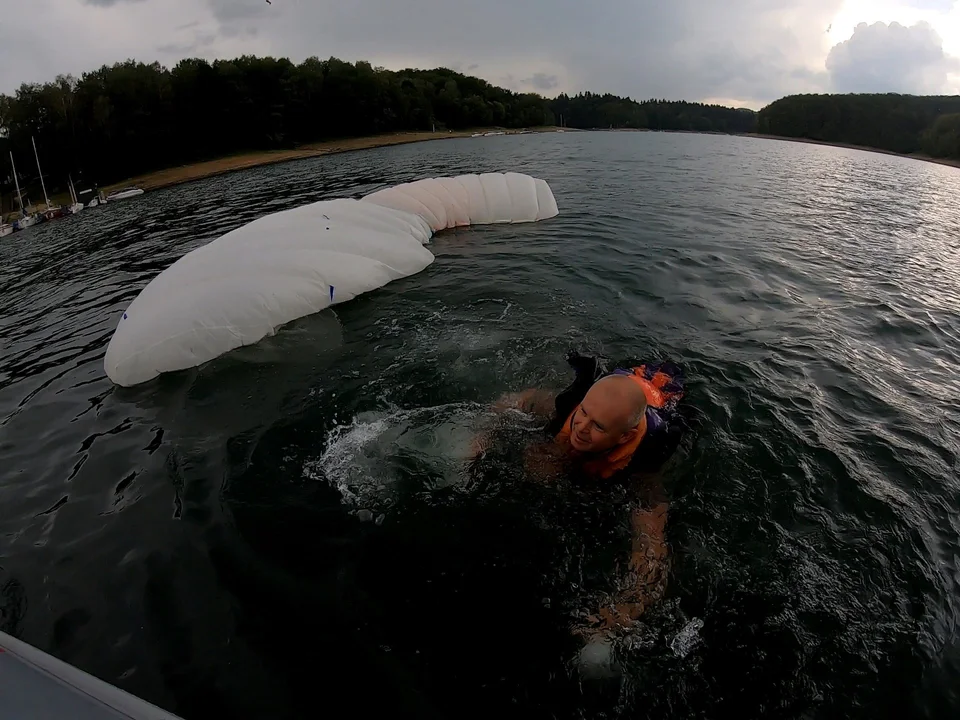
point(182, 538)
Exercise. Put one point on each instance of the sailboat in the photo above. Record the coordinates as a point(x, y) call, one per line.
point(25, 220)
point(76, 205)
point(98, 199)
point(50, 213)
point(5, 228)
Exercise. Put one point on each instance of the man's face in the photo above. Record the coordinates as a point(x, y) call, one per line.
point(603, 419)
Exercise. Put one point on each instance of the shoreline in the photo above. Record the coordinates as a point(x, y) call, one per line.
point(828, 143)
point(180, 174)
point(169, 177)
point(848, 146)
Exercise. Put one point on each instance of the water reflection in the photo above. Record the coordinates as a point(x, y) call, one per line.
point(194, 538)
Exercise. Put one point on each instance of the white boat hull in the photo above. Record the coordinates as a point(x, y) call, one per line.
point(124, 195)
point(38, 685)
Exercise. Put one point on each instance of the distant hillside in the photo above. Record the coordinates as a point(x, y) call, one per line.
point(588, 110)
point(132, 118)
point(899, 123)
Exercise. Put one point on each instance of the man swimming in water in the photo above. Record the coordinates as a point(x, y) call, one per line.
point(612, 428)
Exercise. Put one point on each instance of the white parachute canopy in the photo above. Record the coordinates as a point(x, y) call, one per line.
point(244, 285)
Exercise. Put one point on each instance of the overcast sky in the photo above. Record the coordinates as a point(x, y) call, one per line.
point(740, 52)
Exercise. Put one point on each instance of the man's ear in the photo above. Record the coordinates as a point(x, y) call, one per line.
point(629, 435)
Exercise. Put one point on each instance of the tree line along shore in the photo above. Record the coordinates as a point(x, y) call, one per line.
point(156, 126)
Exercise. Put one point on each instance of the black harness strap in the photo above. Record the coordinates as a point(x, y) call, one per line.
point(588, 370)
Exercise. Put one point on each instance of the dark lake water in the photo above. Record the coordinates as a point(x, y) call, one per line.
point(196, 540)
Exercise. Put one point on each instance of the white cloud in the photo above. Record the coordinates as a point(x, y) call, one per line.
point(938, 5)
point(891, 58)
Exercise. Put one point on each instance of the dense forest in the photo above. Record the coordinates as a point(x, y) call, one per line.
point(132, 117)
point(900, 123)
point(588, 111)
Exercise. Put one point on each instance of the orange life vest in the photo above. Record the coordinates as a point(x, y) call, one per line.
point(619, 457)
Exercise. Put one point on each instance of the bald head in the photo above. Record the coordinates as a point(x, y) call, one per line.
point(609, 415)
point(623, 397)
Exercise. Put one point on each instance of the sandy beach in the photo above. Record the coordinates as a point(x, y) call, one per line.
point(220, 166)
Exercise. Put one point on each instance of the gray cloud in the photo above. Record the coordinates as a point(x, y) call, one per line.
point(241, 18)
point(184, 49)
point(228, 11)
point(542, 81)
point(743, 51)
point(891, 58)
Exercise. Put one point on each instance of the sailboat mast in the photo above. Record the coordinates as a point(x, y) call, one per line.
point(17, 182)
point(42, 184)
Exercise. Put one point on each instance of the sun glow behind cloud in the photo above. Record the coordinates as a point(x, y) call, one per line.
point(942, 15)
point(853, 12)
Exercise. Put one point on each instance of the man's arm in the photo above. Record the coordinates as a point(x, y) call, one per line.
point(533, 401)
point(646, 579)
point(648, 558)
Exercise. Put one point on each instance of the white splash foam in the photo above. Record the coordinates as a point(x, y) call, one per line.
point(683, 642)
point(364, 459)
point(595, 659)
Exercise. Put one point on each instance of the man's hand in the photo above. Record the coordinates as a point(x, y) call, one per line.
point(608, 620)
point(535, 402)
point(646, 579)
point(479, 445)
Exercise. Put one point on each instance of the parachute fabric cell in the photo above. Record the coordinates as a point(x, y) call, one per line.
point(247, 283)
